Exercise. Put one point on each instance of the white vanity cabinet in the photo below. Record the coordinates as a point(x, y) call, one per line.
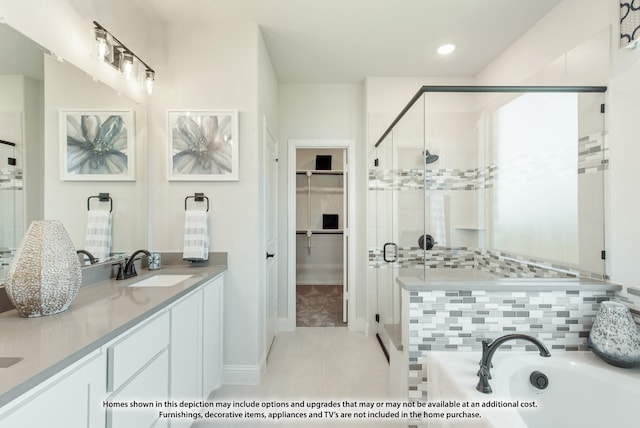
point(196, 345)
point(212, 340)
point(175, 353)
point(137, 374)
point(186, 348)
point(70, 399)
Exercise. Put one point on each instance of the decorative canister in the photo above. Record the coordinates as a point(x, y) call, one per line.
point(614, 336)
point(44, 276)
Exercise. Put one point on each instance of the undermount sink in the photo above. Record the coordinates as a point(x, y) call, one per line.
point(161, 280)
point(6, 362)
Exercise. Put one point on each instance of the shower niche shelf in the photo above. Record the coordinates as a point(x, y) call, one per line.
point(470, 227)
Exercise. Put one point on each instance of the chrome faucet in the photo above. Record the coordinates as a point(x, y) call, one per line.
point(489, 347)
point(129, 269)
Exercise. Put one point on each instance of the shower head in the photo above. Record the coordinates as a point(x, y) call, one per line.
point(429, 158)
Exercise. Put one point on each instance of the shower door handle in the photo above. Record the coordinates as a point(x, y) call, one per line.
point(385, 256)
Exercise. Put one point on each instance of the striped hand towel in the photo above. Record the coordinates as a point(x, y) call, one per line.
point(196, 236)
point(438, 224)
point(98, 240)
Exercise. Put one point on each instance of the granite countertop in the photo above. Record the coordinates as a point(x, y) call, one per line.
point(414, 283)
point(99, 313)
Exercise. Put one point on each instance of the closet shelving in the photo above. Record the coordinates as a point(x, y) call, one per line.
point(321, 188)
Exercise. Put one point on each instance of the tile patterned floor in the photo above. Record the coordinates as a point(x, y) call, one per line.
point(319, 306)
point(321, 363)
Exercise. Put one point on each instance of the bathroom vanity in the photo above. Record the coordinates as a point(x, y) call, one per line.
point(148, 339)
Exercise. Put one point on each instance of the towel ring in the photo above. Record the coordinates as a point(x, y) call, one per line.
point(102, 197)
point(198, 197)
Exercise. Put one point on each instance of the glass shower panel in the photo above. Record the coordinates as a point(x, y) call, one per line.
point(479, 183)
point(547, 196)
point(385, 248)
point(410, 163)
point(454, 206)
point(10, 184)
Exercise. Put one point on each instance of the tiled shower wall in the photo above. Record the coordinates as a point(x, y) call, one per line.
point(458, 320)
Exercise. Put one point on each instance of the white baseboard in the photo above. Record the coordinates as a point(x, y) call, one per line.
point(284, 325)
point(358, 324)
point(238, 374)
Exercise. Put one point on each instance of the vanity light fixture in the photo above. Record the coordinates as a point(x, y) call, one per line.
point(112, 51)
point(446, 49)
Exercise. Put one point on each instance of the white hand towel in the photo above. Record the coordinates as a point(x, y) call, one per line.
point(196, 236)
point(98, 240)
point(438, 224)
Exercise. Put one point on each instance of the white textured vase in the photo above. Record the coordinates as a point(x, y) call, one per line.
point(44, 275)
point(614, 336)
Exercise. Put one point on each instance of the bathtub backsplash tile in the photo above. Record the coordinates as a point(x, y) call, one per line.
point(458, 321)
point(631, 298)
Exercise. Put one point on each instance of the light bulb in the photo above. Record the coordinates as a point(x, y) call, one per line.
point(102, 48)
point(150, 76)
point(127, 65)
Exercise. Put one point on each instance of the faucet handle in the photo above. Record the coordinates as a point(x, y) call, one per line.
point(120, 263)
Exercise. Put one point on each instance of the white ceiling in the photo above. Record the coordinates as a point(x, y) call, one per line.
point(347, 40)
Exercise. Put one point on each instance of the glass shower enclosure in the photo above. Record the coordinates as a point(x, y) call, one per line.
point(473, 183)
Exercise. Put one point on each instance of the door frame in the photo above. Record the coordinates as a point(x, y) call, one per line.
point(267, 133)
point(349, 230)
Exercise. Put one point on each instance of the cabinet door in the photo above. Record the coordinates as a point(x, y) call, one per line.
point(75, 400)
point(186, 348)
point(212, 327)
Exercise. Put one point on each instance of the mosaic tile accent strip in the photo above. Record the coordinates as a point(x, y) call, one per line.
point(452, 320)
point(460, 257)
point(11, 179)
point(497, 263)
point(6, 254)
point(593, 153)
point(433, 179)
point(593, 156)
point(509, 266)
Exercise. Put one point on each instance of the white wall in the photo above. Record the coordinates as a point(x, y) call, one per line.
point(323, 111)
point(569, 24)
point(624, 204)
point(217, 67)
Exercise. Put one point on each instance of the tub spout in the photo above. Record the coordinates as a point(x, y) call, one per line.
point(489, 347)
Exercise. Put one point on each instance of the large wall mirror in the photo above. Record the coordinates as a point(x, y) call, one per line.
point(41, 97)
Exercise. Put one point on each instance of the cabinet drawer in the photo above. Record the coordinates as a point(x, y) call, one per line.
point(147, 387)
point(130, 354)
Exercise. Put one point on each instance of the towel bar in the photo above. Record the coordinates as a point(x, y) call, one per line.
point(102, 197)
point(198, 197)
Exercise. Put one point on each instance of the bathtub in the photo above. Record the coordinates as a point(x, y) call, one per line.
point(583, 391)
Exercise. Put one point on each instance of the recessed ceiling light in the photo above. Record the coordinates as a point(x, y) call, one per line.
point(446, 49)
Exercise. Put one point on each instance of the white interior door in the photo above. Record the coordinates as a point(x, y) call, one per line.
point(271, 234)
point(345, 238)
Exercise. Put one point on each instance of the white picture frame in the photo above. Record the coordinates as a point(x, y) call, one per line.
point(97, 145)
point(203, 145)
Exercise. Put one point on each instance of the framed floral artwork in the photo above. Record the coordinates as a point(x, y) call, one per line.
point(203, 145)
point(97, 145)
